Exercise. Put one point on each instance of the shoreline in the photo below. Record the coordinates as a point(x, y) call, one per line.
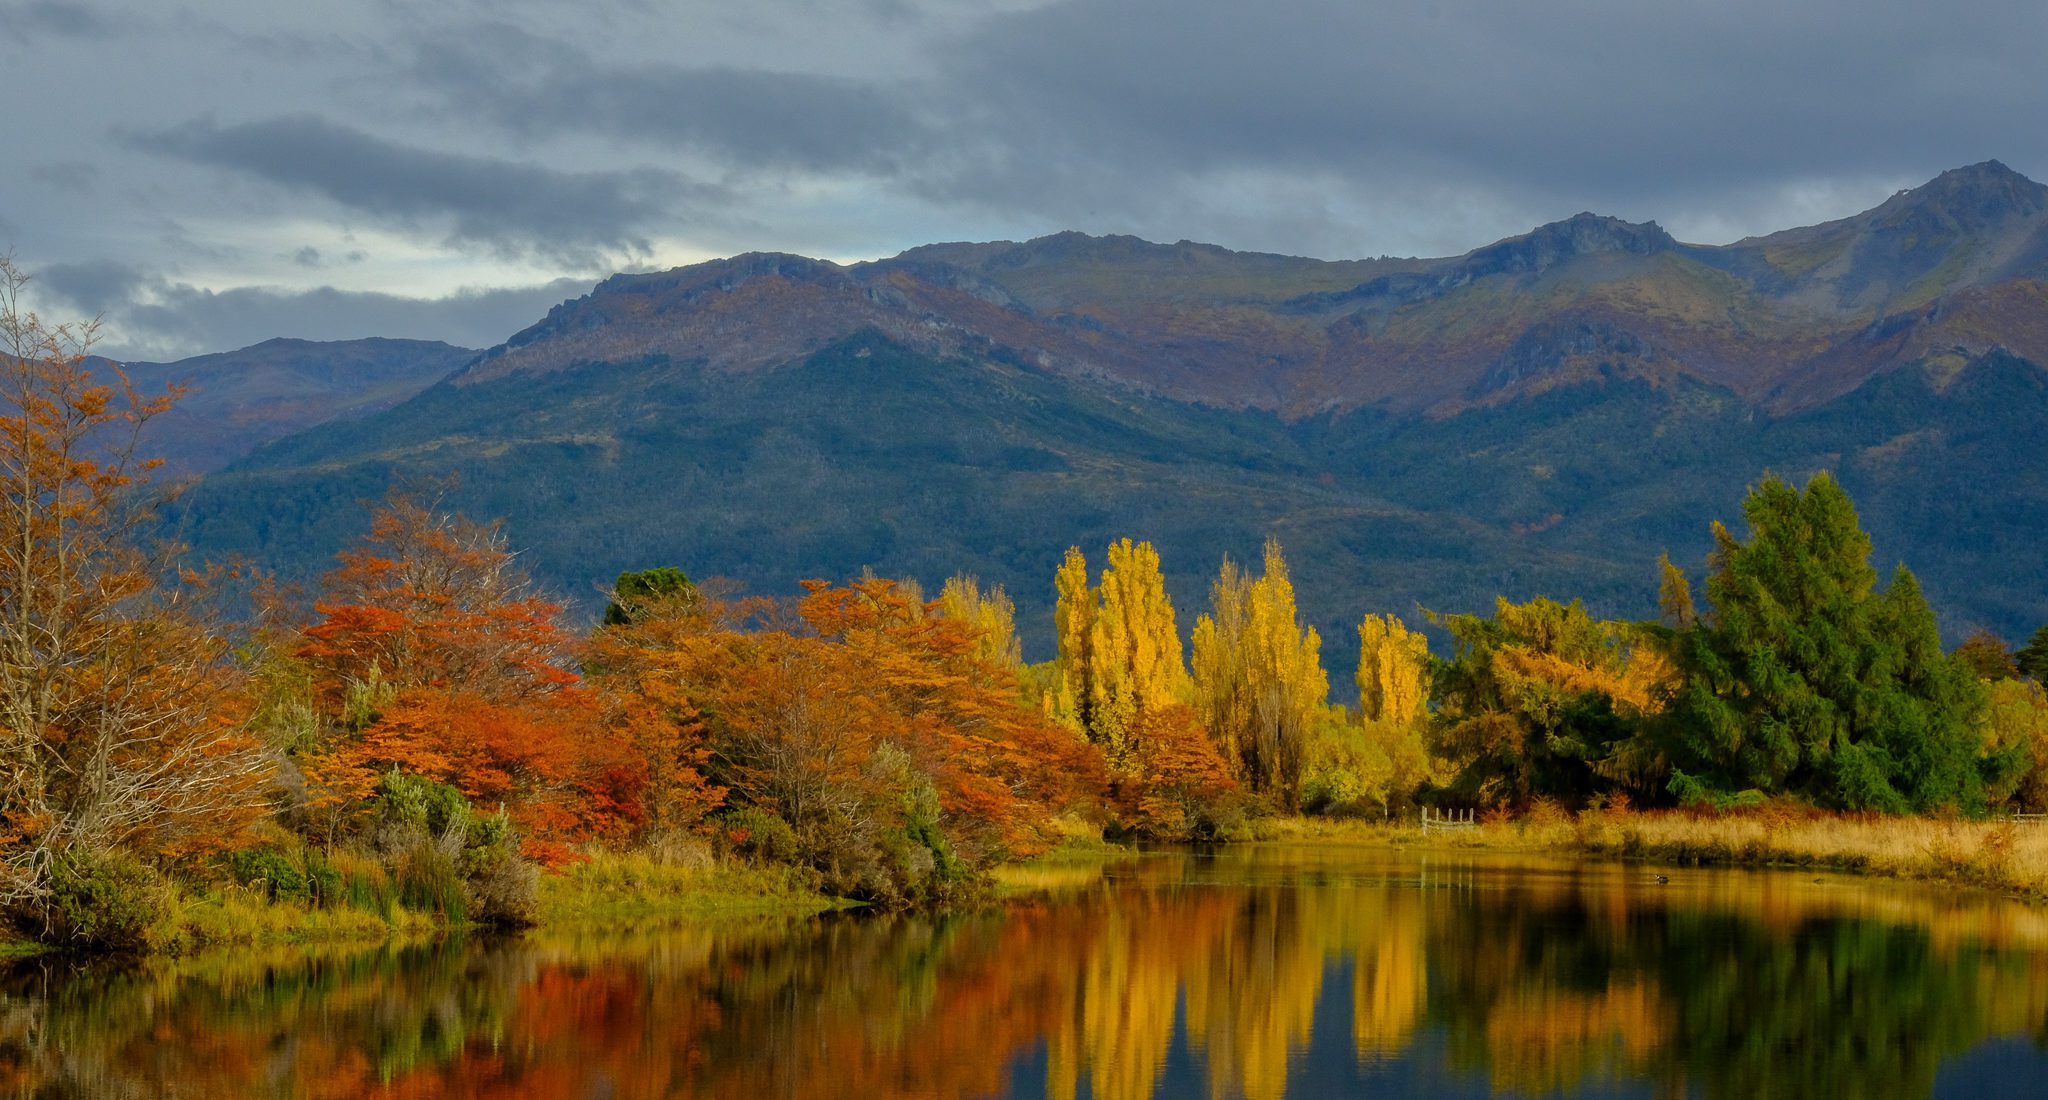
point(636, 890)
point(1996, 855)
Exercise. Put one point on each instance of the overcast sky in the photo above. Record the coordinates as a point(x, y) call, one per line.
point(206, 175)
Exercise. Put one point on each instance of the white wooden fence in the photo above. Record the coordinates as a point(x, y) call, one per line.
point(1437, 819)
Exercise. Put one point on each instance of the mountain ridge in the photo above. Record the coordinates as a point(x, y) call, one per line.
point(1544, 419)
point(1775, 317)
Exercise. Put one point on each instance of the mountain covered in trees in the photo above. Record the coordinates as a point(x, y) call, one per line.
point(1545, 414)
point(236, 401)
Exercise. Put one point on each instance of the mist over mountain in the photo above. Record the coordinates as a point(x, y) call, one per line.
point(1540, 415)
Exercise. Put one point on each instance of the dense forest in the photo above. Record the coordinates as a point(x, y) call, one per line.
point(427, 728)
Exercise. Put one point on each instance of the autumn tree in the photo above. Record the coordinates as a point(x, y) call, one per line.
point(1383, 757)
point(1806, 679)
point(892, 753)
point(1393, 671)
point(1119, 656)
point(433, 655)
point(1073, 618)
point(120, 710)
point(993, 616)
point(1258, 675)
point(1544, 700)
point(2015, 725)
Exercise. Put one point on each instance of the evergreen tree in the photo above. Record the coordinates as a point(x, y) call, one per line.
point(1806, 680)
point(661, 590)
point(2033, 657)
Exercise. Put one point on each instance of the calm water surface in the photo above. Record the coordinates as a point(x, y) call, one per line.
point(1259, 972)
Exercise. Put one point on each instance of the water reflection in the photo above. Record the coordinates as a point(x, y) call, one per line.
point(1246, 972)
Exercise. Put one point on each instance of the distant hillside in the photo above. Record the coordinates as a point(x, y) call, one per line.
point(1954, 268)
point(1543, 415)
point(238, 400)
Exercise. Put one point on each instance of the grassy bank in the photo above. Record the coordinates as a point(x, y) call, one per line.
point(621, 888)
point(188, 919)
point(1993, 854)
point(1997, 855)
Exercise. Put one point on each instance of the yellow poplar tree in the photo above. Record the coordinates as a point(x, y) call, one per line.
point(1260, 683)
point(1073, 617)
point(1393, 670)
point(1136, 665)
point(992, 612)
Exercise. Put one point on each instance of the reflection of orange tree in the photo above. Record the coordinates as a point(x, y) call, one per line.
point(1541, 987)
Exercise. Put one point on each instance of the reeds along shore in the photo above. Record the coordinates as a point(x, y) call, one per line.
point(2003, 853)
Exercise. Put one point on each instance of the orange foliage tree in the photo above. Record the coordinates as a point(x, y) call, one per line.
point(432, 655)
point(120, 711)
point(895, 752)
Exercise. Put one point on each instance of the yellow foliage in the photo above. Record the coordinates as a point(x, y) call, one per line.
point(1393, 670)
point(992, 613)
point(2018, 714)
point(1119, 654)
point(1259, 683)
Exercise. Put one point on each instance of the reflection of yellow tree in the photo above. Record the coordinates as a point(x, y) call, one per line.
point(1542, 1039)
point(1389, 978)
point(1254, 998)
point(1774, 988)
point(1123, 1022)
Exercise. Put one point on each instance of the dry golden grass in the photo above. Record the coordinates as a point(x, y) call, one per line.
point(1996, 854)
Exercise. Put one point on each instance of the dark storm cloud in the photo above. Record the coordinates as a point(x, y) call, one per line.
point(159, 318)
point(93, 287)
point(1603, 100)
point(575, 218)
point(531, 86)
point(37, 18)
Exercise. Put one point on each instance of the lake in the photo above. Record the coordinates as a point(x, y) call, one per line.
point(1258, 971)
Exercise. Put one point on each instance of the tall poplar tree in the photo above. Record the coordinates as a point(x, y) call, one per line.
point(1120, 660)
point(1393, 670)
point(1073, 618)
point(1259, 680)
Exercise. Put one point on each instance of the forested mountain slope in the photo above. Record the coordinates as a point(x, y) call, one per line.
point(1543, 415)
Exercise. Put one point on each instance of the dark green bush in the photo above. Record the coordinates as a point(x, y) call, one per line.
point(270, 872)
point(101, 902)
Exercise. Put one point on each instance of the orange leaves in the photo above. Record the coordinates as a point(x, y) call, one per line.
point(477, 669)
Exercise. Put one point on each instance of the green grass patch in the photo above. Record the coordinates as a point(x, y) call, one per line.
point(633, 887)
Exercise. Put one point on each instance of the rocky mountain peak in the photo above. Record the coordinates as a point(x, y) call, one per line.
point(1973, 197)
point(1581, 234)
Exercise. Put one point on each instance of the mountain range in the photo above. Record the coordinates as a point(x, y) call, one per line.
point(1544, 414)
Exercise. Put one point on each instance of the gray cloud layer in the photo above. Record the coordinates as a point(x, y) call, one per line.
point(178, 317)
point(240, 159)
point(575, 218)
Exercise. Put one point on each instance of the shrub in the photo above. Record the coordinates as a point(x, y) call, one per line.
point(502, 886)
point(759, 835)
point(272, 873)
point(429, 880)
point(103, 902)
